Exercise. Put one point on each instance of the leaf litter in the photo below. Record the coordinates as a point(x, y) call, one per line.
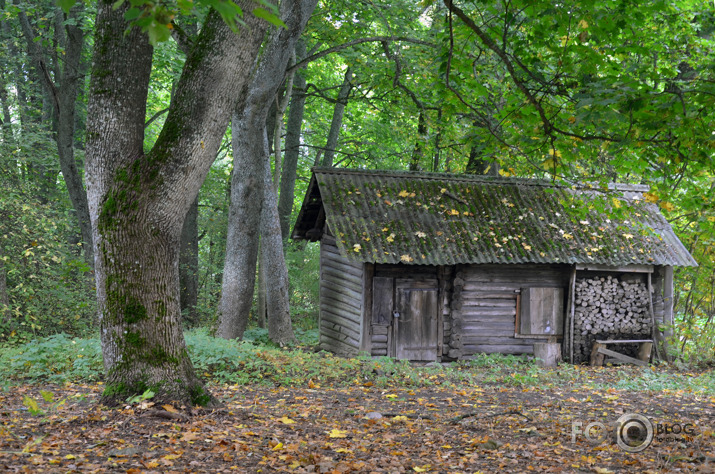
point(360, 428)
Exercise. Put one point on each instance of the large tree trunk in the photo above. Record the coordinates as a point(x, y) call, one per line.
point(138, 201)
point(250, 145)
point(337, 121)
point(289, 171)
point(189, 264)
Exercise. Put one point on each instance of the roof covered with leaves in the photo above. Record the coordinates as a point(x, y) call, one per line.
point(443, 219)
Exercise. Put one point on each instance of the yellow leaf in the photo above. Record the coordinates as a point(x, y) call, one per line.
point(357, 247)
point(526, 247)
point(286, 421)
point(568, 236)
point(628, 236)
point(583, 24)
point(420, 234)
point(667, 206)
point(453, 212)
point(443, 190)
point(336, 433)
point(69, 456)
point(406, 258)
point(278, 446)
point(342, 450)
point(616, 203)
point(391, 238)
point(403, 193)
point(650, 197)
point(171, 457)
point(425, 468)
point(400, 419)
point(170, 408)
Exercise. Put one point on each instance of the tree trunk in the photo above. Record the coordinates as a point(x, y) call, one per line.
point(418, 152)
point(189, 264)
point(289, 171)
point(250, 145)
point(337, 121)
point(280, 329)
point(63, 99)
point(4, 297)
point(138, 201)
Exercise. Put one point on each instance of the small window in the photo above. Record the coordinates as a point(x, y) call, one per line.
point(541, 312)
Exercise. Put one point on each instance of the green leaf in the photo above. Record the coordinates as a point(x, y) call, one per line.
point(116, 4)
point(49, 397)
point(132, 14)
point(65, 5)
point(268, 16)
point(32, 406)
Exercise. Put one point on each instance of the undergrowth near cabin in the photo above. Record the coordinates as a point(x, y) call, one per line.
point(61, 359)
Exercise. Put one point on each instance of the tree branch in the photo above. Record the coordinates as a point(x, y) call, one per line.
point(340, 47)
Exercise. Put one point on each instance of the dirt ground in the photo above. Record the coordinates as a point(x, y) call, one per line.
point(362, 428)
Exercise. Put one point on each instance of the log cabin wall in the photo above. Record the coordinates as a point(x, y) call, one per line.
point(341, 301)
point(484, 306)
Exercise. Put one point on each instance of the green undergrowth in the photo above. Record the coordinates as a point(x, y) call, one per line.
point(60, 358)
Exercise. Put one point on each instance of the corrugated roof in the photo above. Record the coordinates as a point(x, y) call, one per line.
point(442, 219)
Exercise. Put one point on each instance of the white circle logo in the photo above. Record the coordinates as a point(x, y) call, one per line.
point(634, 432)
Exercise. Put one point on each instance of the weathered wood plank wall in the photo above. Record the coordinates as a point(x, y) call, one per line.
point(341, 301)
point(484, 305)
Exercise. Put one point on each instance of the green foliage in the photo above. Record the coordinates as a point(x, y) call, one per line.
point(48, 282)
point(50, 405)
point(147, 395)
point(61, 359)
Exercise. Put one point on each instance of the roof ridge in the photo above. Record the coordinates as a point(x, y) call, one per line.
point(482, 179)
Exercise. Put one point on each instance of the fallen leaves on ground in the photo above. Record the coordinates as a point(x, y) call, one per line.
point(362, 428)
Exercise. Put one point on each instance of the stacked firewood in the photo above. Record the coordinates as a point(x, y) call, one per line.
point(609, 308)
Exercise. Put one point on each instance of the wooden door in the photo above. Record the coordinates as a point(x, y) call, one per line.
point(417, 319)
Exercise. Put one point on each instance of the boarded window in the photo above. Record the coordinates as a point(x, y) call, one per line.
point(541, 312)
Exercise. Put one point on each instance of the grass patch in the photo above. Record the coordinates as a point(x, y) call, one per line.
point(60, 358)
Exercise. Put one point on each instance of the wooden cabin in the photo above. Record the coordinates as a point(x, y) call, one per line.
point(436, 267)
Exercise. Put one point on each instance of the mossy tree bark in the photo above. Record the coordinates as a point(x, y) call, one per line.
point(138, 200)
point(248, 183)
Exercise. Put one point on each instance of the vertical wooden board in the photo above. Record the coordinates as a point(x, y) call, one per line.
point(382, 300)
point(525, 311)
point(417, 332)
point(542, 311)
point(368, 272)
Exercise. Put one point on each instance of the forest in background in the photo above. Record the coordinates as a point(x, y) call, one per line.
point(589, 91)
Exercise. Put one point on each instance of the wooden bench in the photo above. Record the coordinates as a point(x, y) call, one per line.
point(599, 352)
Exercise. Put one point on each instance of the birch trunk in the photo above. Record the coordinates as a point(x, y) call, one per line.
point(138, 201)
